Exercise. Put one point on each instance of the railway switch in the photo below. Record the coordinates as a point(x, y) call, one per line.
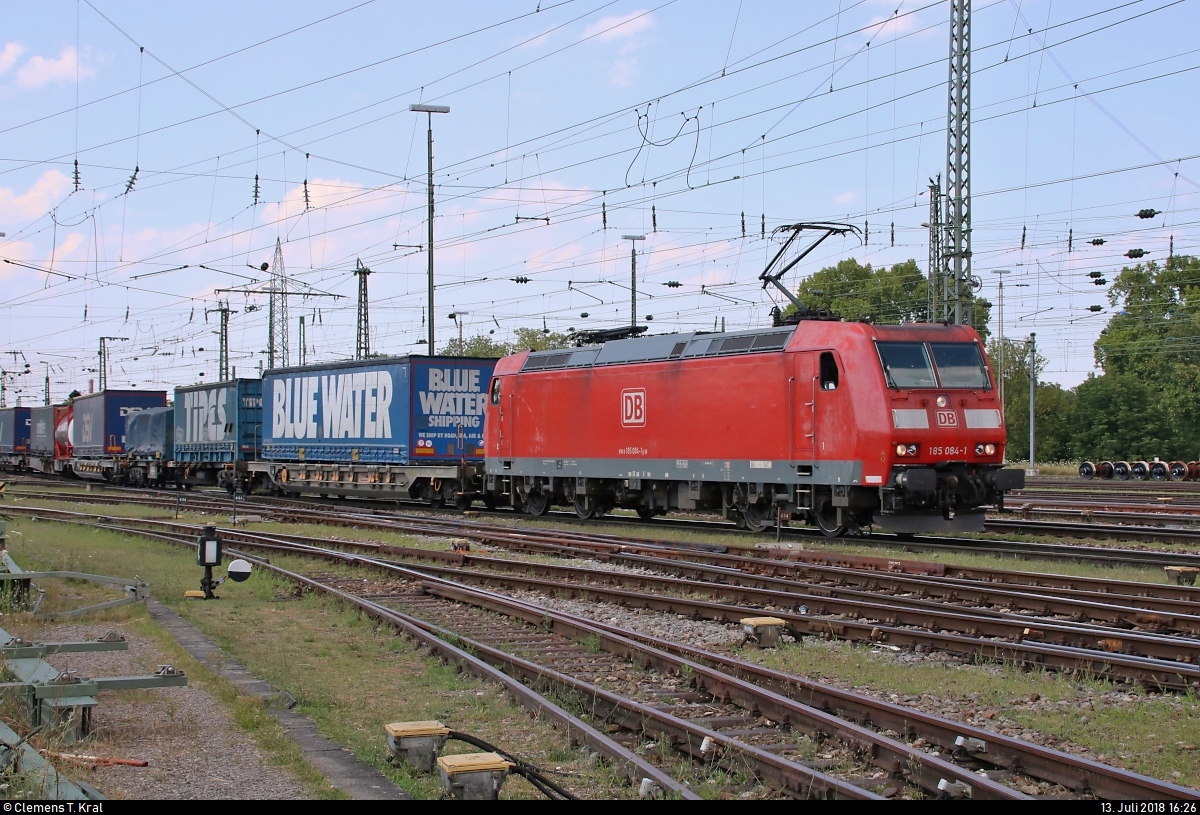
point(419, 742)
point(474, 776)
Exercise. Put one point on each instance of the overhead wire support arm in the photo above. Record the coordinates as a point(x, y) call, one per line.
point(779, 266)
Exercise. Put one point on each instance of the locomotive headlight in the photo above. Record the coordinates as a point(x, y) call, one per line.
point(943, 401)
point(901, 449)
point(989, 449)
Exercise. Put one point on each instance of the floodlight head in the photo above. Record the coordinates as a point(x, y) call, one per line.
point(429, 108)
point(633, 237)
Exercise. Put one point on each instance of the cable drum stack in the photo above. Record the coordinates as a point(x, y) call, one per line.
point(1156, 470)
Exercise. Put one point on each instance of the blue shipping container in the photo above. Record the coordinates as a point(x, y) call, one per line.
point(99, 420)
point(15, 427)
point(220, 422)
point(396, 410)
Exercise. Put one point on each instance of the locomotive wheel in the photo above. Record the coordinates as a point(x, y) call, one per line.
point(756, 518)
point(537, 503)
point(826, 515)
point(584, 507)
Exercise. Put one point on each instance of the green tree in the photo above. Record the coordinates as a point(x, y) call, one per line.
point(1054, 407)
point(896, 294)
point(524, 339)
point(1157, 326)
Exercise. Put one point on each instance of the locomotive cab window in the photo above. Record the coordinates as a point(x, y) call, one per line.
point(496, 391)
point(960, 365)
point(829, 372)
point(906, 365)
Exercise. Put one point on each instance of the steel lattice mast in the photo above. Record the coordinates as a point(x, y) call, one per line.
point(277, 332)
point(362, 348)
point(936, 236)
point(958, 306)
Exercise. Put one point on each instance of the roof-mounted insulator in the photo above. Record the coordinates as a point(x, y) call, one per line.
point(78, 186)
point(307, 202)
point(1147, 214)
point(653, 218)
point(256, 189)
point(1134, 254)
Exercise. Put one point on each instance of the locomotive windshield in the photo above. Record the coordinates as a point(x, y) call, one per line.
point(911, 365)
point(959, 365)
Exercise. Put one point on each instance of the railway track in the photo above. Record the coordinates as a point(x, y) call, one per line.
point(1147, 639)
point(916, 543)
point(799, 738)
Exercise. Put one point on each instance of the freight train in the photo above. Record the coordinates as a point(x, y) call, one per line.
point(389, 425)
point(838, 424)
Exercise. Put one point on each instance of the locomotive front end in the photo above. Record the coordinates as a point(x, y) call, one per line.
point(946, 450)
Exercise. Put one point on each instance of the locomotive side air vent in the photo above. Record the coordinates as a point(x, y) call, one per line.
point(533, 363)
point(677, 351)
point(735, 344)
point(771, 342)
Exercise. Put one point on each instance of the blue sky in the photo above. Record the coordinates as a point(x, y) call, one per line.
point(668, 119)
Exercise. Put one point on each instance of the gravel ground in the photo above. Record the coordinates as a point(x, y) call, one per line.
point(194, 747)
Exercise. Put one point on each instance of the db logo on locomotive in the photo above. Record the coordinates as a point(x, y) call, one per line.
point(947, 418)
point(633, 407)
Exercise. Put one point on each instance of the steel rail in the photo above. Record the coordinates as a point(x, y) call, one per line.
point(1018, 756)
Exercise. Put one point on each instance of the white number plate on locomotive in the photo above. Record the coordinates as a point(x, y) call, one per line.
point(947, 451)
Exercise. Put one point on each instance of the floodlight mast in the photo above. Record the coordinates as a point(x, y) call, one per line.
point(773, 277)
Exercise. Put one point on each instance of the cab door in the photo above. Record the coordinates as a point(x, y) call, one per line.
point(803, 404)
point(500, 407)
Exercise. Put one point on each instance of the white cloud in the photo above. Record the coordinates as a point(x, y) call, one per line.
point(845, 198)
point(627, 25)
point(41, 71)
point(45, 193)
point(9, 56)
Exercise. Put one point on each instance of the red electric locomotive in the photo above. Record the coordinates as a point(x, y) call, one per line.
point(842, 424)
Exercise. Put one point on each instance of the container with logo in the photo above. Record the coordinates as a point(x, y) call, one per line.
point(15, 426)
point(392, 410)
point(99, 420)
point(219, 422)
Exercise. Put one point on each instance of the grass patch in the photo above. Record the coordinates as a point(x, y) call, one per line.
point(350, 675)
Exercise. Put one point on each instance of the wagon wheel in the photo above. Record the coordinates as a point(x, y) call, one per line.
point(645, 513)
point(436, 500)
point(584, 507)
point(756, 517)
point(462, 502)
point(601, 508)
point(537, 503)
point(489, 500)
point(826, 515)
